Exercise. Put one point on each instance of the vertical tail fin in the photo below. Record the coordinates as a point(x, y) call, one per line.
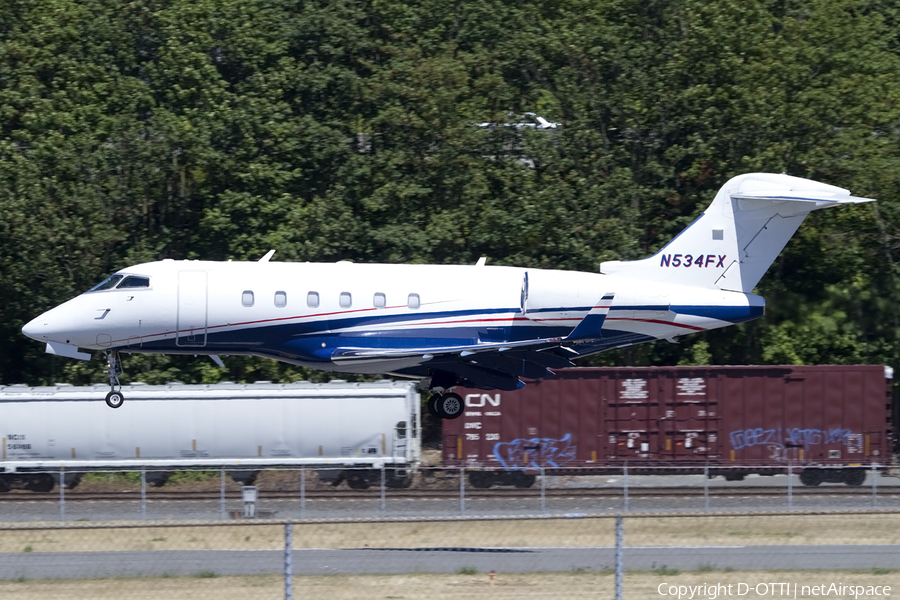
point(731, 245)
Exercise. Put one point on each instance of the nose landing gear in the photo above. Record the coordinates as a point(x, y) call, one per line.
point(114, 398)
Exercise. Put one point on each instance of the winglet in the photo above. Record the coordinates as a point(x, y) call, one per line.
point(592, 323)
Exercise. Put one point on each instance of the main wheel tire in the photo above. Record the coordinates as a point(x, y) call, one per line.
point(811, 477)
point(450, 406)
point(854, 477)
point(432, 406)
point(114, 399)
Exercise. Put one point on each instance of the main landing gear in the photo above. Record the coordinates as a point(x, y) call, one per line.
point(446, 406)
point(114, 398)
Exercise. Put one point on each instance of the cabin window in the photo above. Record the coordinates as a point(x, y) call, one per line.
point(280, 299)
point(380, 300)
point(413, 301)
point(107, 284)
point(247, 298)
point(346, 300)
point(312, 299)
point(133, 281)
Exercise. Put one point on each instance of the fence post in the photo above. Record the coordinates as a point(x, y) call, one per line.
point(625, 484)
point(288, 561)
point(790, 485)
point(620, 557)
point(143, 492)
point(706, 487)
point(874, 486)
point(302, 493)
point(222, 493)
point(462, 490)
point(543, 490)
point(382, 490)
point(62, 493)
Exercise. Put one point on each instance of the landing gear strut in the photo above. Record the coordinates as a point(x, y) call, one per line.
point(114, 398)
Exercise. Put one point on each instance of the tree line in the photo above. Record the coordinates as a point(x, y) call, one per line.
point(136, 130)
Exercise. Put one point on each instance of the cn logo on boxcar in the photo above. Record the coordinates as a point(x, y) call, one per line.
point(479, 400)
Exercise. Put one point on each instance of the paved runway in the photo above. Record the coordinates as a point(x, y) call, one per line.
point(66, 565)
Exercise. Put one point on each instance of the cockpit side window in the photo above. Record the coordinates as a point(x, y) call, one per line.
point(107, 284)
point(133, 281)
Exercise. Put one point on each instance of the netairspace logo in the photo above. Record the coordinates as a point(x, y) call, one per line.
point(769, 590)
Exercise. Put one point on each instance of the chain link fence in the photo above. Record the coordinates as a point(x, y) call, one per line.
point(458, 557)
point(442, 533)
point(425, 492)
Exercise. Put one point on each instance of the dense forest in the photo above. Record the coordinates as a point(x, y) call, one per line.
point(136, 130)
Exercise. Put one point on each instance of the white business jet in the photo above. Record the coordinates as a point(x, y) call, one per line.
point(479, 326)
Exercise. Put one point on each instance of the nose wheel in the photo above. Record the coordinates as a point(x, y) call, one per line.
point(115, 398)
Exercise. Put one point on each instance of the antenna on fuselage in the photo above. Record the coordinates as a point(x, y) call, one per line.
point(267, 256)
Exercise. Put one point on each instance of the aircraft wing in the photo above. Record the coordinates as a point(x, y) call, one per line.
point(491, 365)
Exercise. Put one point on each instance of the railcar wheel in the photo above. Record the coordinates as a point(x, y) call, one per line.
point(522, 481)
point(357, 482)
point(854, 477)
point(481, 480)
point(450, 406)
point(115, 399)
point(810, 477)
point(40, 483)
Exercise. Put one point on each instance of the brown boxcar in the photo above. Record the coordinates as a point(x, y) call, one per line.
point(827, 422)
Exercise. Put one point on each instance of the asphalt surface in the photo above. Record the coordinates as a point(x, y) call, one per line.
point(70, 565)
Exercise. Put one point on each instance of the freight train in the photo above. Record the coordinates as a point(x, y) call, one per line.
point(828, 423)
point(344, 431)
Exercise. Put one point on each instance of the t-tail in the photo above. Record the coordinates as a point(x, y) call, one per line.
point(731, 245)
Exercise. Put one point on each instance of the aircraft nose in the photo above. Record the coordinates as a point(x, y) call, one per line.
point(34, 328)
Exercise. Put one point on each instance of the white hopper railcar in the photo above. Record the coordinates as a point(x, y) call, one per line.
point(345, 431)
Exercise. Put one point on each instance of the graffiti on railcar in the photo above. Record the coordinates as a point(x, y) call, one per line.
point(778, 439)
point(535, 453)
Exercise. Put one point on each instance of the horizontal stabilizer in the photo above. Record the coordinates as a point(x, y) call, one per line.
point(824, 198)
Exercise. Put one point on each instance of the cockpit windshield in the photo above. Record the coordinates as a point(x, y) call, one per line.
point(107, 284)
point(134, 281)
point(121, 282)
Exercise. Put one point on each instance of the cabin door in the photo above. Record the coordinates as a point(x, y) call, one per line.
point(192, 309)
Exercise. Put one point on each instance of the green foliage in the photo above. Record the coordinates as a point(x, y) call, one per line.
point(135, 131)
